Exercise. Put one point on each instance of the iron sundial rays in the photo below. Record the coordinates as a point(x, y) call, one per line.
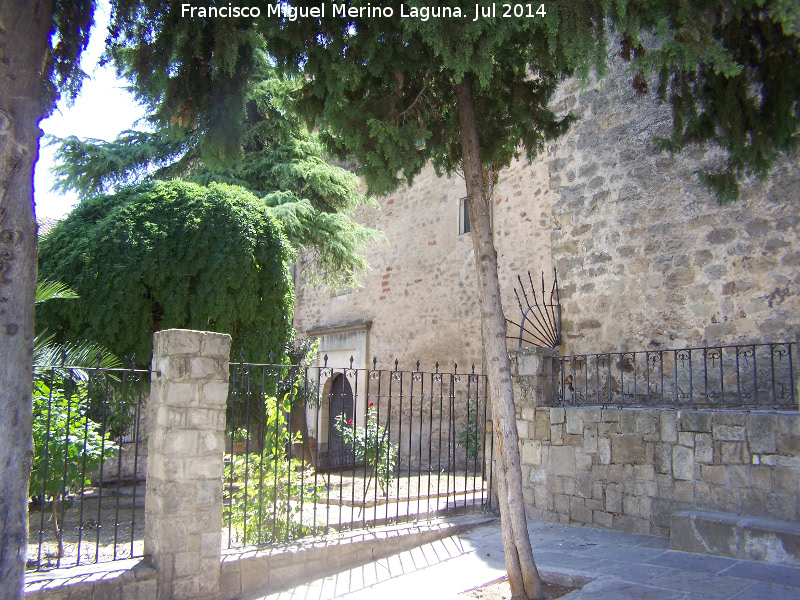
point(540, 323)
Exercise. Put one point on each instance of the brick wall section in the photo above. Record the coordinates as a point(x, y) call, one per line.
point(183, 505)
point(630, 469)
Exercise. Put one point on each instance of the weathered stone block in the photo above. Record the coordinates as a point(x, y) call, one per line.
point(606, 429)
point(762, 433)
point(604, 450)
point(575, 421)
point(784, 480)
point(663, 458)
point(561, 504)
point(704, 448)
point(590, 439)
point(713, 474)
point(557, 435)
point(682, 463)
point(645, 472)
point(531, 453)
point(557, 415)
point(583, 461)
point(696, 421)
point(789, 444)
point(614, 498)
point(562, 460)
point(542, 425)
point(627, 449)
point(729, 433)
point(732, 453)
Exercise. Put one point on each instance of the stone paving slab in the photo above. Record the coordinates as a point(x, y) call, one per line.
point(613, 565)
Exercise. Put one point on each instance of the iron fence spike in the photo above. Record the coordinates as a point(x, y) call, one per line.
point(374, 363)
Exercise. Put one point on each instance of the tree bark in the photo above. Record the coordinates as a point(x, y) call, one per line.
point(25, 27)
point(523, 575)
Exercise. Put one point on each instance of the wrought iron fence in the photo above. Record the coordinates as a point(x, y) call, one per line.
point(86, 490)
point(314, 449)
point(718, 377)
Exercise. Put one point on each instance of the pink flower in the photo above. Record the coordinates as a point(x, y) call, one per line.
point(372, 404)
point(350, 422)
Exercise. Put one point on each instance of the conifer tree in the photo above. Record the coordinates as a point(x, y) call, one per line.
point(164, 255)
point(280, 161)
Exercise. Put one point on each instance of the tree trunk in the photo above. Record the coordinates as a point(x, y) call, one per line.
point(522, 572)
point(25, 27)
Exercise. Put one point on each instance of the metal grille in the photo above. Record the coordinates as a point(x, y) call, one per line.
point(718, 377)
point(87, 483)
point(413, 445)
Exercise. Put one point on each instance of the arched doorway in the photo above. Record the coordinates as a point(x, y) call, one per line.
point(341, 403)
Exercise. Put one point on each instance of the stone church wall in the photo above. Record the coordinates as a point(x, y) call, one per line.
point(421, 293)
point(646, 258)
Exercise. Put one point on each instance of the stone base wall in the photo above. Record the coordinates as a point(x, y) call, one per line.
point(631, 469)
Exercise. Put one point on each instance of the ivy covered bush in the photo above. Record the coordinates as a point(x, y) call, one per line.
point(170, 255)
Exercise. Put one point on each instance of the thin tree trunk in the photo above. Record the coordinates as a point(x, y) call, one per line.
point(56, 527)
point(522, 572)
point(24, 38)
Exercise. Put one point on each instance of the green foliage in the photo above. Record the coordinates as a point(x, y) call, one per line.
point(67, 443)
point(728, 70)
point(383, 89)
point(302, 390)
point(165, 255)
point(262, 490)
point(279, 161)
point(370, 445)
point(62, 74)
point(83, 353)
point(470, 434)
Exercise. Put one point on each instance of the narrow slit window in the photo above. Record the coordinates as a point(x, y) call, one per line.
point(463, 216)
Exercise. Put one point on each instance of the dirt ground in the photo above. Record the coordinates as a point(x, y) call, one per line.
point(500, 590)
point(100, 513)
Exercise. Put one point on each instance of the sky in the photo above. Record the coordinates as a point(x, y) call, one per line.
point(103, 109)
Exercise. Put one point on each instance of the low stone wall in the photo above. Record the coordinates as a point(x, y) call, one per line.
point(630, 469)
point(131, 579)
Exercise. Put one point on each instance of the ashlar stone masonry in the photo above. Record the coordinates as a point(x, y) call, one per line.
point(631, 469)
point(183, 506)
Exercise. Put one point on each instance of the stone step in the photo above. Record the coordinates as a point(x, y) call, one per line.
point(736, 536)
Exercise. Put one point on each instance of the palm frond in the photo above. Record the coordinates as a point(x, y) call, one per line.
point(52, 290)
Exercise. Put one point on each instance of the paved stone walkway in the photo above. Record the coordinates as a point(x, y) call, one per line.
point(618, 566)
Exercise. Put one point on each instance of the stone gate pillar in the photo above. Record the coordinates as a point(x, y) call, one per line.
point(183, 504)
